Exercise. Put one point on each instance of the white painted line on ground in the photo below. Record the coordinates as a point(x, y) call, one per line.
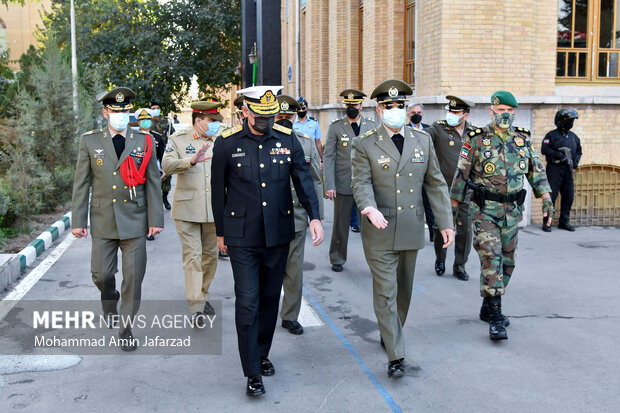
point(307, 316)
point(35, 275)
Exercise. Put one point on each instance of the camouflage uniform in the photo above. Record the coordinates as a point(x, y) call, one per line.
point(162, 126)
point(498, 163)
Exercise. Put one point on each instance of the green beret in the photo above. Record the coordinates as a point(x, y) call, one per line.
point(501, 97)
point(208, 107)
point(288, 104)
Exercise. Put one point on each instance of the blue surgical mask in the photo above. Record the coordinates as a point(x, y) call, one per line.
point(145, 124)
point(394, 118)
point(213, 128)
point(156, 112)
point(119, 120)
point(452, 119)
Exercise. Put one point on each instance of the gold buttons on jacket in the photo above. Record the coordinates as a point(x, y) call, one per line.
point(288, 212)
point(262, 165)
point(410, 174)
point(124, 201)
point(207, 189)
point(114, 173)
point(398, 191)
point(281, 162)
point(411, 206)
point(232, 214)
point(399, 208)
point(397, 175)
point(125, 187)
point(264, 203)
point(113, 186)
point(207, 175)
point(288, 159)
point(260, 146)
point(238, 165)
point(411, 191)
point(114, 201)
point(263, 185)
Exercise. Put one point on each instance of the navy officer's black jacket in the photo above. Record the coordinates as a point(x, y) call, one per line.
point(250, 180)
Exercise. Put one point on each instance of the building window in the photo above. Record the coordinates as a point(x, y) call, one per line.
point(588, 43)
point(409, 75)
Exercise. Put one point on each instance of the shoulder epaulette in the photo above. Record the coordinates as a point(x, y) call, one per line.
point(441, 122)
point(370, 120)
point(473, 133)
point(367, 134)
point(340, 118)
point(527, 131)
point(90, 132)
point(233, 130)
point(282, 129)
point(311, 118)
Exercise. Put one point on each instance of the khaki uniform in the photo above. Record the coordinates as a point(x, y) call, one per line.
point(448, 143)
point(293, 277)
point(337, 174)
point(392, 183)
point(118, 218)
point(192, 214)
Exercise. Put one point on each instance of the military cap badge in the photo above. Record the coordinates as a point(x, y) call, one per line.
point(284, 106)
point(495, 100)
point(268, 97)
point(453, 103)
point(120, 97)
point(393, 92)
point(351, 96)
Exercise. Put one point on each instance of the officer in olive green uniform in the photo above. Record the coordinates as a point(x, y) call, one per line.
point(120, 167)
point(162, 126)
point(390, 164)
point(188, 154)
point(337, 171)
point(493, 162)
point(293, 277)
point(448, 138)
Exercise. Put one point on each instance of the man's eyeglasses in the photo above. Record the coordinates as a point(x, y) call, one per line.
point(390, 105)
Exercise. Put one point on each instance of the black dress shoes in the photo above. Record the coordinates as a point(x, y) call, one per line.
point(208, 310)
point(255, 386)
point(128, 343)
point(355, 228)
point(440, 267)
point(293, 327)
point(546, 228)
point(150, 238)
point(266, 367)
point(198, 320)
point(461, 275)
point(567, 227)
point(396, 368)
point(337, 268)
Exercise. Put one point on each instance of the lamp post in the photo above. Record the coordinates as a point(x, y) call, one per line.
point(252, 58)
point(74, 62)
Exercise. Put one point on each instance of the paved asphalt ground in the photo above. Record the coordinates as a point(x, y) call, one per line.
point(561, 355)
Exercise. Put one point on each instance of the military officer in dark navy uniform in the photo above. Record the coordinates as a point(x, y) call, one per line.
point(252, 167)
point(562, 149)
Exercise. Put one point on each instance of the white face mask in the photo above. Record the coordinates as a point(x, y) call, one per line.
point(394, 118)
point(119, 120)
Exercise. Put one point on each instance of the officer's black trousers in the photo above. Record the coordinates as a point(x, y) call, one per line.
point(258, 274)
point(561, 181)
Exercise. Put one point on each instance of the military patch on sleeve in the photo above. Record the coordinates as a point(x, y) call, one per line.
point(467, 145)
point(282, 129)
point(489, 168)
point(519, 141)
point(169, 146)
point(464, 152)
point(231, 131)
point(546, 140)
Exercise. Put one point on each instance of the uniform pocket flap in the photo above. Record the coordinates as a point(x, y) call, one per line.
point(140, 202)
point(234, 211)
point(183, 194)
point(95, 202)
point(387, 212)
point(286, 210)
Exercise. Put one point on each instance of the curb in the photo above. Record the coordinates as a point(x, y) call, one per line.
point(29, 254)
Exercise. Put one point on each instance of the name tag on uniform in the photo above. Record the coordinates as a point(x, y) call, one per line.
point(383, 160)
point(237, 155)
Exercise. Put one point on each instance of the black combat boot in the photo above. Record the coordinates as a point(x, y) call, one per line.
point(497, 331)
point(485, 315)
point(164, 196)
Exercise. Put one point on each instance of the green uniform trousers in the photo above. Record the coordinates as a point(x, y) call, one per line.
point(199, 247)
point(462, 240)
point(340, 230)
point(392, 275)
point(294, 278)
point(104, 266)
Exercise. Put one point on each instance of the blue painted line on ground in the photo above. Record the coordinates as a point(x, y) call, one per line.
point(373, 379)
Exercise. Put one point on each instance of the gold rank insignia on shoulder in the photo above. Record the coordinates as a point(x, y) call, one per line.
point(282, 129)
point(441, 122)
point(367, 134)
point(92, 131)
point(524, 130)
point(232, 131)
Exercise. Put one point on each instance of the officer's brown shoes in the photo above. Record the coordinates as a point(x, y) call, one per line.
point(255, 386)
point(293, 327)
point(266, 367)
point(396, 368)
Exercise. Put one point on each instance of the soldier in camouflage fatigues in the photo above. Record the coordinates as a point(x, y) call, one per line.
point(493, 162)
point(162, 125)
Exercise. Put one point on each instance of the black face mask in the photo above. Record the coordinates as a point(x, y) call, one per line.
point(566, 124)
point(416, 118)
point(352, 112)
point(302, 114)
point(286, 123)
point(263, 125)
